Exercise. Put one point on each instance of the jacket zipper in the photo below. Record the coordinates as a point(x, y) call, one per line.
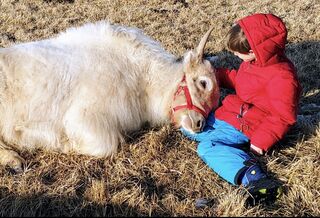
point(243, 110)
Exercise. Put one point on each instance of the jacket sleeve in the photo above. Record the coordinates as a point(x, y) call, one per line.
point(226, 78)
point(283, 95)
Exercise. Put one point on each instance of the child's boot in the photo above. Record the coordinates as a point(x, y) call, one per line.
point(261, 188)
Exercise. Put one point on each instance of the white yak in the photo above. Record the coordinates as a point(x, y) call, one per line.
point(89, 86)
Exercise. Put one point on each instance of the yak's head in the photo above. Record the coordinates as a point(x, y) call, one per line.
point(198, 92)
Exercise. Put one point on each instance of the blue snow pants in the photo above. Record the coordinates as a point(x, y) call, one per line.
point(222, 148)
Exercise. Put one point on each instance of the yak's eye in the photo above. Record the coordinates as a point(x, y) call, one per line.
point(203, 84)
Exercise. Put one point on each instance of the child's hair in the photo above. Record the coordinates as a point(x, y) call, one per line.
point(237, 41)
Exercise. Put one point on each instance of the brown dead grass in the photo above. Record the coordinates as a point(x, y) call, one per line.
point(157, 172)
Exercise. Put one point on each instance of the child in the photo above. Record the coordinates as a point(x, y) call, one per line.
point(260, 112)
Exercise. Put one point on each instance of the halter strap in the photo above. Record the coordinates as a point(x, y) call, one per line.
point(190, 106)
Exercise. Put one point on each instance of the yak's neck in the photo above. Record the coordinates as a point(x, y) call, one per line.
point(163, 83)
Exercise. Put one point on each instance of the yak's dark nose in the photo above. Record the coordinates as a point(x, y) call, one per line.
point(200, 124)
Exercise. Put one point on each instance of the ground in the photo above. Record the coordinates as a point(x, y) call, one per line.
point(157, 172)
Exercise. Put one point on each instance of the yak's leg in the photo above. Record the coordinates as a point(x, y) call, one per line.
point(38, 134)
point(10, 158)
point(90, 133)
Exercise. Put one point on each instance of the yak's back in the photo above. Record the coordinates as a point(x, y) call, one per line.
point(102, 33)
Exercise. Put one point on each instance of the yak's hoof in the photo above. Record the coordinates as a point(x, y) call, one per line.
point(12, 160)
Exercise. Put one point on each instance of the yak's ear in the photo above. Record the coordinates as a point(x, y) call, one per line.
point(189, 61)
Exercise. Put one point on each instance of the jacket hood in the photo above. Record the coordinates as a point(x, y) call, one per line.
point(267, 36)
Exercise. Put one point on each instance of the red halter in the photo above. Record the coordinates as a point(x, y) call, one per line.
point(190, 106)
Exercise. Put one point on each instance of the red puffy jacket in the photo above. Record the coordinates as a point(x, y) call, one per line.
point(267, 90)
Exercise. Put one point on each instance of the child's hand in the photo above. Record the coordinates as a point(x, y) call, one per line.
point(256, 150)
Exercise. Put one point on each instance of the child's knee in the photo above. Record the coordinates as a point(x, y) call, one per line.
point(200, 151)
point(205, 148)
point(191, 136)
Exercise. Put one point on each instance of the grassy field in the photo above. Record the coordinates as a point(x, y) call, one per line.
point(157, 172)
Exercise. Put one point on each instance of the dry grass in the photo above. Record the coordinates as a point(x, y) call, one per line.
point(157, 172)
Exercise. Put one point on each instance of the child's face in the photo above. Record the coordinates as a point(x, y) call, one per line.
point(246, 57)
